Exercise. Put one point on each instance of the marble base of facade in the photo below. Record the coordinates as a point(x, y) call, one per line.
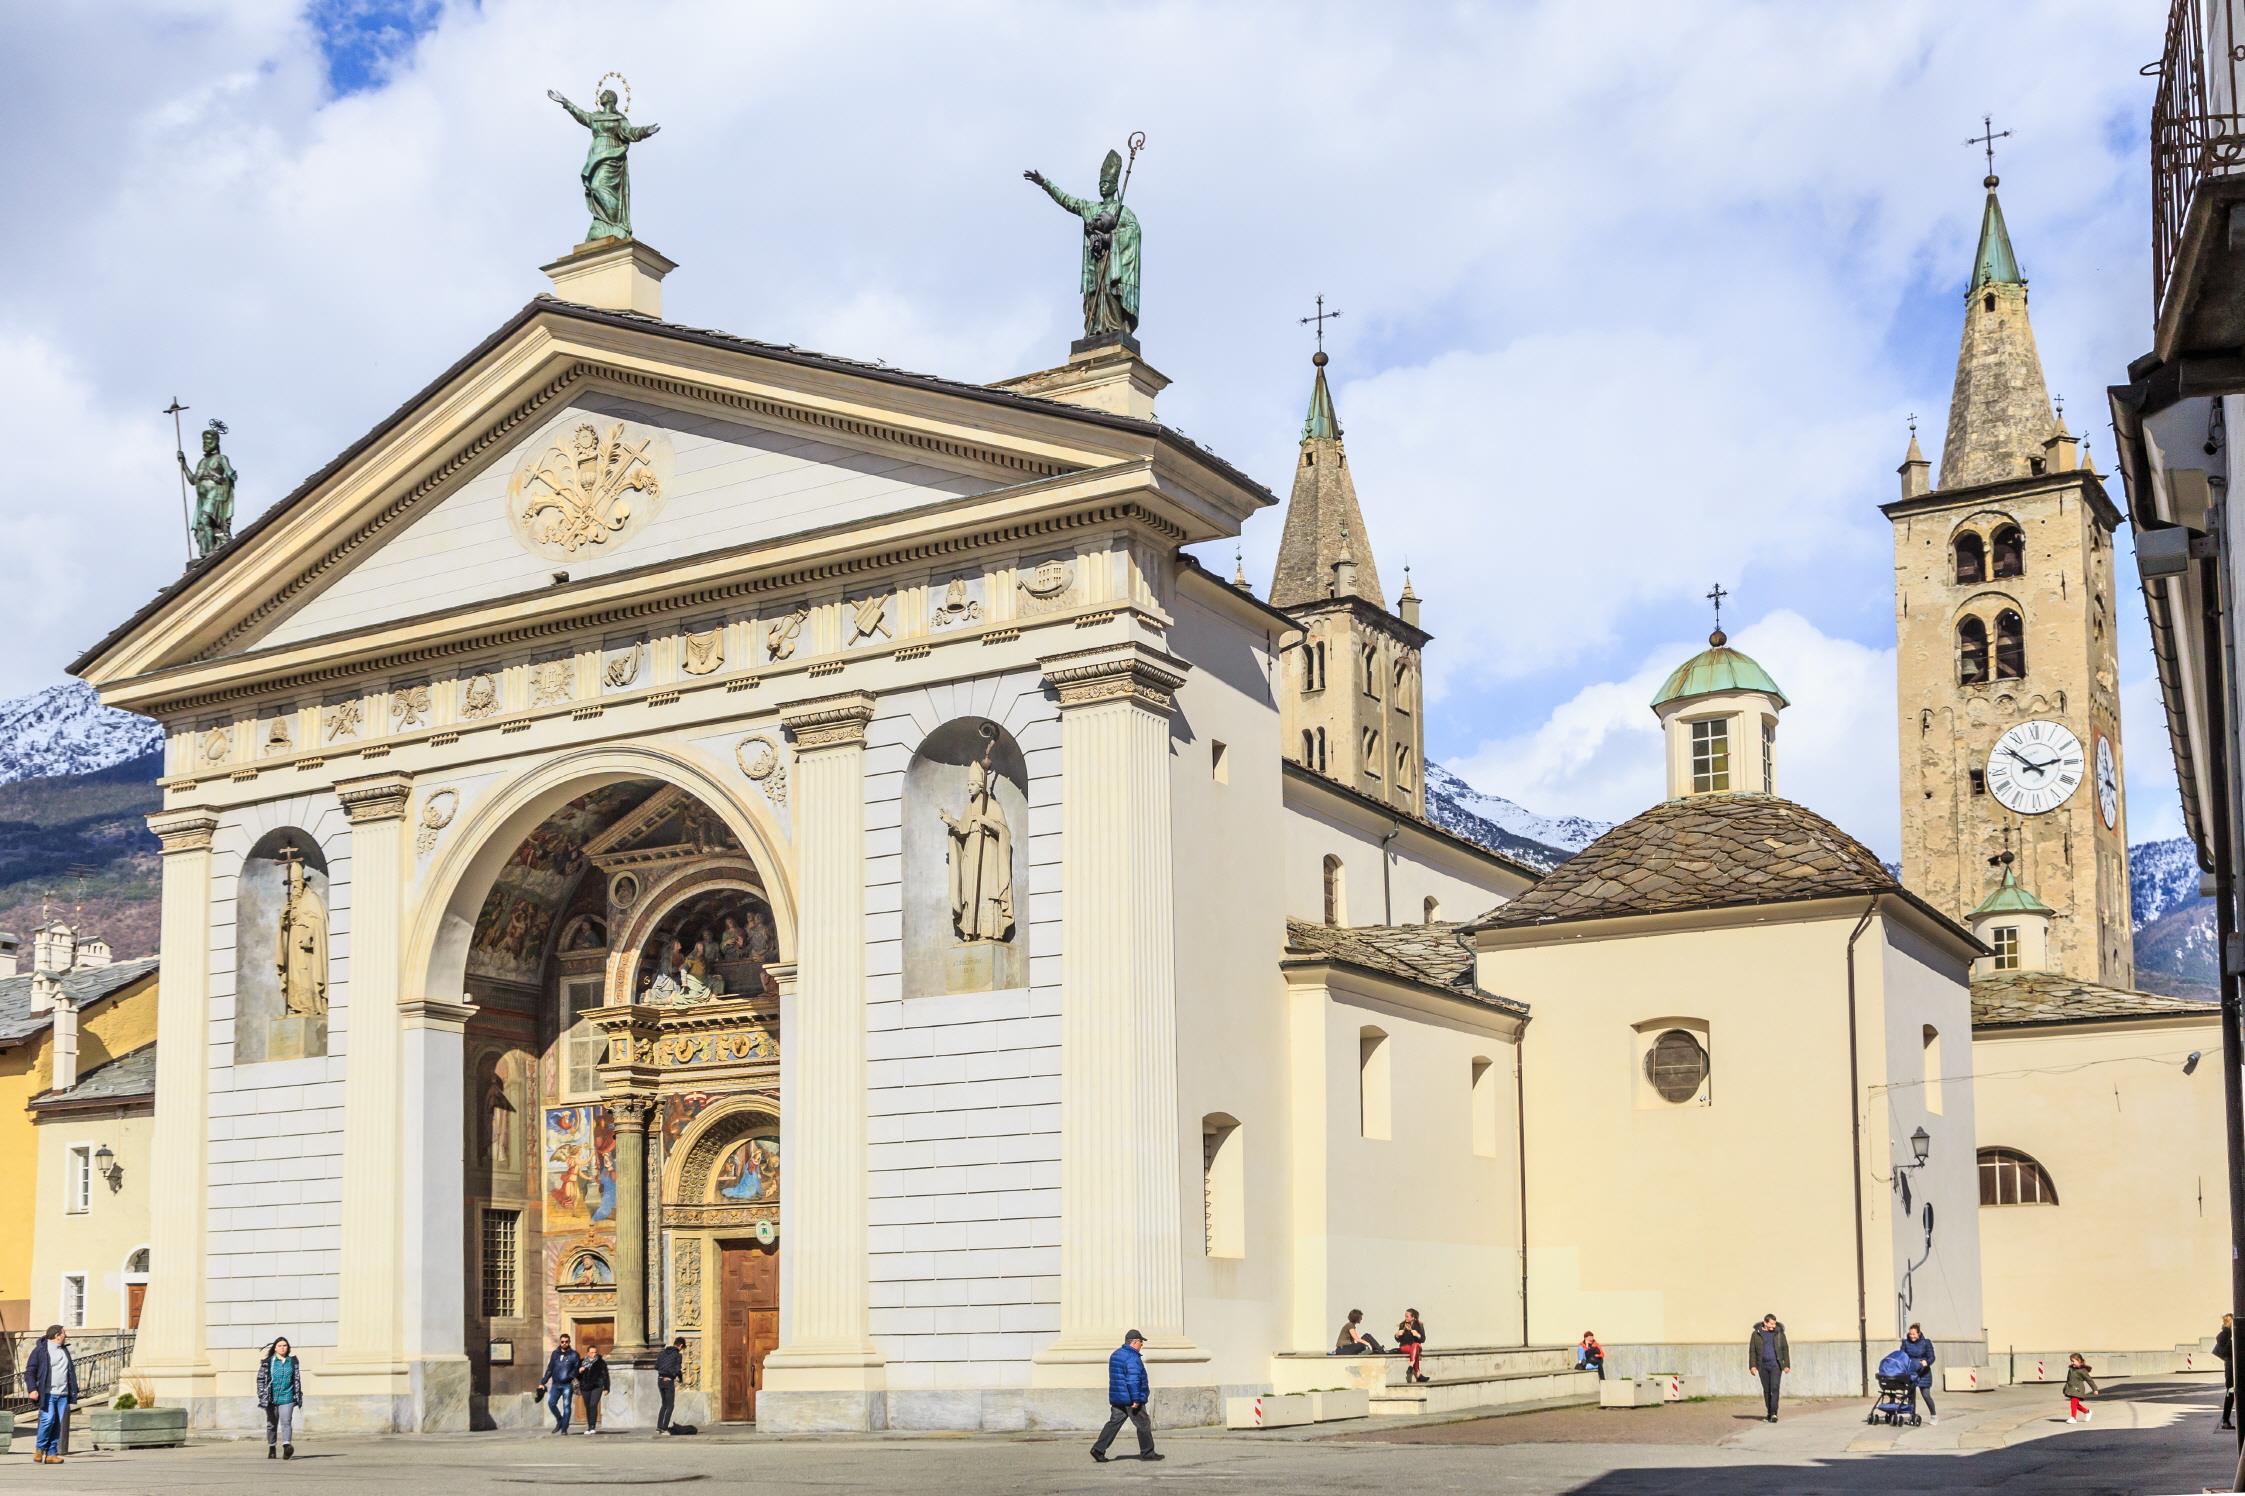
point(1821, 1368)
point(810, 1411)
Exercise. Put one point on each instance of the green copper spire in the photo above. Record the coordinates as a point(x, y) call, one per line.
point(2010, 897)
point(1995, 264)
point(1322, 421)
point(1716, 669)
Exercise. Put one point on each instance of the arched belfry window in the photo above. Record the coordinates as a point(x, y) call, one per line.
point(2008, 551)
point(2011, 645)
point(1971, 557)
point(2009, 1177)
point(1336, 896)
point(1972, 652)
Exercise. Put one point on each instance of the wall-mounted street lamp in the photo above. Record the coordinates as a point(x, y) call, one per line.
point(1920, 1146)
point(111, 1170)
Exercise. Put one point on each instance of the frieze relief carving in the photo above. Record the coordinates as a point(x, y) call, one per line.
point(759, 758)
point(216, 745)
point(686, 1280)
point(748, 1041)
point(410, 707)
point(550, 683)
point(479, 698)
point(869, 618)
point(1046, 586)
point(344, 719)
point(587, 487)
point(705, 651)
point(620, 667)
point(956, 607)
point(437, 812)
point(278, 738)
point(786, 631)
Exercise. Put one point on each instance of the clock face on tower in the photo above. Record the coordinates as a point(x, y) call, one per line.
point(2108, 783)
point(2035, 767)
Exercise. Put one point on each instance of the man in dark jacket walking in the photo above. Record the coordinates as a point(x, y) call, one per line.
point(559, 1385)
point(51, 1378)
point(670, 1365)
point(1126, 1394)
point(1769, 1358)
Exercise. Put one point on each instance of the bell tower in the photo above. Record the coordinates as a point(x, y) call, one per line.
point(2006, 661)
point(1352, 697)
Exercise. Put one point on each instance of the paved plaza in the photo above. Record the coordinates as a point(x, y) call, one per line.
point(2148, 1437)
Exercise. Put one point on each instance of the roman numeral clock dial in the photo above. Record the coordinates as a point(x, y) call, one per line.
point(2035, 767)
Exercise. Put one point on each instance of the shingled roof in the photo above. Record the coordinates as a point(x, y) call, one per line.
point(1701, 852)
point(130, 1077)
point(85, 985)
point(2018, 999)
point(1427, 955)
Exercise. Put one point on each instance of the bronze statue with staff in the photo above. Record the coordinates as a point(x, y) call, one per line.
point(1111, 245)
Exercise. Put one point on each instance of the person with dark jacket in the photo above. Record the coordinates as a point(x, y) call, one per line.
point(558, 1385)
point(1127, 1392)
point(592, 1385)
point(1590, 1355)
point(1769, 1357)
point(52, 1380)
point(2224, 1349)
point(670, 1366)
point(1920, 1351)
point(280, 1392)
point(1410, 1336)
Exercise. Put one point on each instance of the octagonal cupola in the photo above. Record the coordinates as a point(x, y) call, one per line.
point(1718, 712)
point(2012, 923)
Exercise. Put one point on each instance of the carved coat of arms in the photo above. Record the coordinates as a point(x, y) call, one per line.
point(587, 487)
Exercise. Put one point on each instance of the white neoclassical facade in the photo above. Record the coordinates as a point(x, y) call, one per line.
point(670, 836)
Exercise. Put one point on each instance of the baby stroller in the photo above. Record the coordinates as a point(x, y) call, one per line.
point(1898, 1391)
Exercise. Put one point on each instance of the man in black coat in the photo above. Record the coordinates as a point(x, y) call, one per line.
point(670, 1366)
point(2224, 1349)
point(1769, 1357)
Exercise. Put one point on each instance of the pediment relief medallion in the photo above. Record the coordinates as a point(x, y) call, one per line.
point(587, 486)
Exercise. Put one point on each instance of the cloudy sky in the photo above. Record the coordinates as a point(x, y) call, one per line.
point(1636, 297)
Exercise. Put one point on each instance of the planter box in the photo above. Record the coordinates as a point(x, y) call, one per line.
point(1970, 1378)
point(1340, 1402)
point(137, 1428)
point(1677, 1387)
point(1626, 1392)
point(1272, 1410)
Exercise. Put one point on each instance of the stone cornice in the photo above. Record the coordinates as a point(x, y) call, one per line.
point(828, 721)
point(183, 830)
point(1132, 672)
point(380, 797)
point(437, 1012)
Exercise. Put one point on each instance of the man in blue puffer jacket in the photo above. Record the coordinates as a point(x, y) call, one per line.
point(1126, 1394)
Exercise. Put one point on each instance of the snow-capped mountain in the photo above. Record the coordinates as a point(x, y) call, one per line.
point(1495, 822)
point(2162, 876)
point(64, 730)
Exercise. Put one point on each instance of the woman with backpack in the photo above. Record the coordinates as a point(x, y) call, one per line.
point(280, 1392)
point(2079, 1384)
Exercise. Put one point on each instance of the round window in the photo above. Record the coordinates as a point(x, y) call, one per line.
point(1676, 1065)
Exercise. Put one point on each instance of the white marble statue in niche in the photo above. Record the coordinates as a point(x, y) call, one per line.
point(981, 860)
point(281, 991)
point(966, 873)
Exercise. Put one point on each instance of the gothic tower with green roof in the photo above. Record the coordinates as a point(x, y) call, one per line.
point(2007, 668)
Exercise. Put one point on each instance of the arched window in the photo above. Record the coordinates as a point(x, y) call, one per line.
point(1336, 896)
point(1676, 1065)
point(1402, 766)
point(1374, 1108)
point(1372, 671)
point(1972, 652)
point(1313, 665)
point(1320, 764)
point(1432, 909)
point(2011, 646)
point(2009, 1177)
point(1223, 1178)
point(1972, 558)
point(1309, 749)
point(1402, 695)
point(2008, 548)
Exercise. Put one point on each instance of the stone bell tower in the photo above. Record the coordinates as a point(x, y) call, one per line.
point(2007, 665)
point(1352, 698)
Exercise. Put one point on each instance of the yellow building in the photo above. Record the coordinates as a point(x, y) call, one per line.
point(89, 1254)
point(73, 1012)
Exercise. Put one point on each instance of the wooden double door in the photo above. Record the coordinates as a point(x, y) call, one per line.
point(748, 1321)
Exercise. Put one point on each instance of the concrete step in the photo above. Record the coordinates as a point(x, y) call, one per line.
point(1457, 1394)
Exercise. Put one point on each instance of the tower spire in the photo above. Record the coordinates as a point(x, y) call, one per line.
point(1999, 411)
point(1324, 526)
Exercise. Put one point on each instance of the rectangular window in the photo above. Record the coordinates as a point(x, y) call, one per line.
point(78, 1179)
point(583, 1047)
point(1219, 763)
point(1484, 1109)
point(1979, 781)
point(74, 1300)
point(1932, 1037)
point(1769, 757)
point(1374, 1108)
point(1711, 756)
point(2005, 938)
point(1223, 1186)
point(502, 1233)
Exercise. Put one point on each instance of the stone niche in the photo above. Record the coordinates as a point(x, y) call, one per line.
point(265, 1027)
point(937, 958)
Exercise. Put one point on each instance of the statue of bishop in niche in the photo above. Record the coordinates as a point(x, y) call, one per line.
point(981, 862)
point(301, 949)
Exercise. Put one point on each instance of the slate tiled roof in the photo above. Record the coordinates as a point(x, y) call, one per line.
point(90, 984)
point(126, 1078)
point(1428, 955)
point(2008, 999)
point(1701, 852)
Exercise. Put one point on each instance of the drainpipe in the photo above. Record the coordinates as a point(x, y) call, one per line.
point(1387, 892)
point(1855, 1157)
point(1520, 1131)
point(2221, 781)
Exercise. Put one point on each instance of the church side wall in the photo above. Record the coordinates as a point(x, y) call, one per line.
point(963, 1098)
point(2134, 1256)
point(275, 1224)
point(1313, 832)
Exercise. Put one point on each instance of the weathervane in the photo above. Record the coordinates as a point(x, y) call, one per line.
point(1986, 140)
point(1323, 316)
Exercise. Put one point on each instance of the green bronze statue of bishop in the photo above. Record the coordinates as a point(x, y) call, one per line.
point(1111, 243)
point(607, 173)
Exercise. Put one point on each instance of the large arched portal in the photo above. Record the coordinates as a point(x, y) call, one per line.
point(622, 952)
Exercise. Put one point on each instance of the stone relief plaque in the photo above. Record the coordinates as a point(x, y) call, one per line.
point(759, 758)
point(785, 633)
point(869, 618)
point(216, 744)
point(436, 813)
point(1046, 586)
point(549, 683)
point(620, 666)
point(955, 606)
point(344, 719)
point(479, 698)
point(410, 707)
point(704, 651)
point(587, 485)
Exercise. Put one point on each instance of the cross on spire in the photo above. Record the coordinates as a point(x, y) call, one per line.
point(1986, 140)
point(1913, 423)
point(1715, 595)
point(1323, 316)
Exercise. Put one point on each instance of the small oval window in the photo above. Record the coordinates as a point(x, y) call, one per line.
point(1676, 1065)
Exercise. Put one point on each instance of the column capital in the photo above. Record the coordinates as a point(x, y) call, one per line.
point(836, 721)
point(378, 797)
point(183, 830)
point(437, 1012)
point(1132, 672)
point(634, 1111)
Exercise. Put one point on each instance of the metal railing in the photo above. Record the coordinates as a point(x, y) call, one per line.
point(99, 1357)
point(2197, 119)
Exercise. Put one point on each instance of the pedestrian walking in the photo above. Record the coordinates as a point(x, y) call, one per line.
point(280, 1392)
point(1127, 1392)
point(670, 1366)
point(52, 1381)
point(1769, 1357)
point(592, 1386)
point(2224, 1350)
point(1410, 1335)
point(1920, 1351)
point(2079, 1384)
point(558, 1385)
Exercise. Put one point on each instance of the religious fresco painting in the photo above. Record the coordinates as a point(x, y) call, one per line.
point(527, 899)
point(580, 1164)
point(680, 1108)
point(750, 1171)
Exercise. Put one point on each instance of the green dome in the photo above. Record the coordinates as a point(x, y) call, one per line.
point(2010, 897)
point(1715, 669)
